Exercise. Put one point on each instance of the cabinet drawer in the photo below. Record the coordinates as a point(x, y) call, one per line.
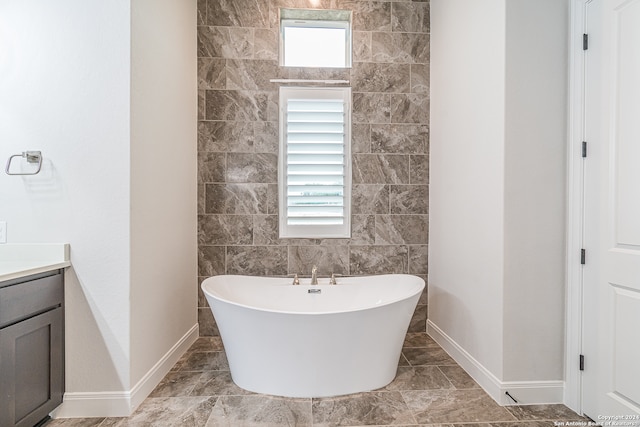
point(25, 299)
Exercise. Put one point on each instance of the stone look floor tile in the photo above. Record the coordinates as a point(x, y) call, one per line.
point(217, 383)
point(170, 411)
point(181, 361)
point(426, 425)
point(76, 422)
point(419, 339)
point(372, 408)
point(435, 392)
point(506, 424)
point(176, 383)
point(419, 378)
point(207, 344)
point(403, 361)
point(454, 406)
point(458, 377)
point(260, 410)
point(427, 356)
point(203, 361)
point(543, 412)
point(111, 422)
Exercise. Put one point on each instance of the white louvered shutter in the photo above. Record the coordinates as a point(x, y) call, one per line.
point(315, 162)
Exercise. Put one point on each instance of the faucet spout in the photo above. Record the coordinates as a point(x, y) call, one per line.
point(314, 275)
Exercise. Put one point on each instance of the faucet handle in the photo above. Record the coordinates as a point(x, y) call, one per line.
point(296, 280)
point(332, 280)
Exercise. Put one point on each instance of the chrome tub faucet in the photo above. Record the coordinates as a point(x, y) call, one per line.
point(314, 275)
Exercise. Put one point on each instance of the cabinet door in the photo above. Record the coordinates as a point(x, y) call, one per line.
point(31, 369)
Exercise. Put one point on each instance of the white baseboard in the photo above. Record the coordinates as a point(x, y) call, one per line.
point(123, 403)
point(94, 404)
point(525, 392)
point(151, 379)
point(533, 392)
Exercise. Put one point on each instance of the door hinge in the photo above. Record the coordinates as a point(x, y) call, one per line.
point(585, 41)
point(583, 256)
point(584, 148)
point(582, 362)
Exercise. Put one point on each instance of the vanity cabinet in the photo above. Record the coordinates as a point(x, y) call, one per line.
point(31, 348)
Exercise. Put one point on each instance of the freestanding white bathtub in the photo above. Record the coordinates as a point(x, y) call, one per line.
point(313, 340)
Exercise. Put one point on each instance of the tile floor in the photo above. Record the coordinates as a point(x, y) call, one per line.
point(430, 389)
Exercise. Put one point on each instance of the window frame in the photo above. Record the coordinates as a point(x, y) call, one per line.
point(313, 231)
point(320, 23)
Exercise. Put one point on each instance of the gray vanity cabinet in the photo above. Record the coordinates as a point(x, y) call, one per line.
point(31, 348)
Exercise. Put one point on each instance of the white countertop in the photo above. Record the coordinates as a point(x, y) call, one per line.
point(19, 260)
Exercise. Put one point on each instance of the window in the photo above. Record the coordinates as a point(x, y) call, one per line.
point(315, 38)
point(315, 162)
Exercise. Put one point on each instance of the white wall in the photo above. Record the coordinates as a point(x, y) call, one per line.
point(118, 182)
point(535, 158)
point(467, 175)
point(497, 188)
point(163, 178)
point(64, 90)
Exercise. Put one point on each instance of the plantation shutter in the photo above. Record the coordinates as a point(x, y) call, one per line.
point(315, 162)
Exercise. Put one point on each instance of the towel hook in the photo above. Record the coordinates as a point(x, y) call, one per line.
point(31, 156)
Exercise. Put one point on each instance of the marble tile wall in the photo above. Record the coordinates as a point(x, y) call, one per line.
point(238, 143)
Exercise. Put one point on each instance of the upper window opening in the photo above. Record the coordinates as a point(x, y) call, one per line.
point(315, 38)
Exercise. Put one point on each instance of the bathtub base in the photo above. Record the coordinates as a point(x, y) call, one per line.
point(313, 340)
point(313, 356)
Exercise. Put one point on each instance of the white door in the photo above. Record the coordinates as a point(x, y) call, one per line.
point(611, 286)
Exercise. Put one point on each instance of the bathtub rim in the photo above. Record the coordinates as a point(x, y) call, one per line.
point(308, 286)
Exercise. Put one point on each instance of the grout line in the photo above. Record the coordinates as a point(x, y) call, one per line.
point(448, 379)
